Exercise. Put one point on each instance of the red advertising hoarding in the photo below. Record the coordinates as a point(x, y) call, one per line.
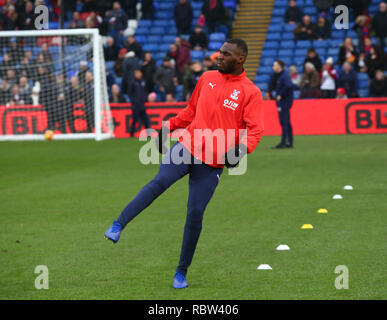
point(308, 117)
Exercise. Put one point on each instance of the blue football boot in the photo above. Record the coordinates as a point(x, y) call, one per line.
point(179, 281)
point(114, 232)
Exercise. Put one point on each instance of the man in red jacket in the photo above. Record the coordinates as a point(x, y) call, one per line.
point(222, 122)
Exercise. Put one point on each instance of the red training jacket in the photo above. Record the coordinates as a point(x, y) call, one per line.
point(220, 101)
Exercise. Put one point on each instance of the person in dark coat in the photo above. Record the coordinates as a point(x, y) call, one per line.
point(116, 95)
point(293, 14)
point(130, 63)
point(183, 15)
point(110, 50)
point(323, 28)
point(306, 30)
point(138, 96)
point(379, 24)
point(284, 100)
point(131, 44)
point(147, 9)
point(198, 39)
point(148, 69)
point(348, 80)
point(378, 86)
point(214, 12)
point(313, 57)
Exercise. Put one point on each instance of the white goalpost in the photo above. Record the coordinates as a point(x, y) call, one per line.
point(53, 80)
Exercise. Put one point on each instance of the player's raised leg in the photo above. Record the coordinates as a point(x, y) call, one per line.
point(169, 173)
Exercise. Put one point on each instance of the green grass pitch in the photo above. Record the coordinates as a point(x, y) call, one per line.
point(57, 198)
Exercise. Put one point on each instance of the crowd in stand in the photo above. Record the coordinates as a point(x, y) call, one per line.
point(320, 79)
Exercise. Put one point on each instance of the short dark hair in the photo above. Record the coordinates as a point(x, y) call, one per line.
point(240, 43)
point(281, 63)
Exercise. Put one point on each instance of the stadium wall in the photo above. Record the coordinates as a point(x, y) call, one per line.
point(309, 117)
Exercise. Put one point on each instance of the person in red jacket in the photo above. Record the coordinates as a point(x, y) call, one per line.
point(222, 122)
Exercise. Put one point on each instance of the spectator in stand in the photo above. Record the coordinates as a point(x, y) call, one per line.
point(76, 22)
point(348, 80)
point(24, 88)
point(170, 98)
point(129, 6)
point(198, 39)
point(367, 45)
point(73, 95)
point(294, 77)
point(88, 100)
point(47, 55)
point(183, 15)
point(12, 16)
point(5, 92)
point(359, 6)
point(15, 98)
point(375, 60)
point(26, 68)
point(172, 53)
point(310, 82)
point(379, 24)
point(323, 6)
point(116, 95)
point(147, 9)
point(117, 21)
point(362, 28)
point(165, 79)
point(118, 64)
point(131, 44)
point(110, 50)
point(347, 52)
point(183, 56)
point(293, 14)
point(94, 20)
point(209, 64)
point(138, 96)
point(6, 64)
point(131, 63)
point(84, 68)
point(340, 93)
point(328, 76)
point(306, 30)
point(152, 97)
point(27, 17)
point(313, 57)
point(148, 69)
point(284, 101)
point(11, 77)
point(15, 51)
point(323, 28)
point(378, 85)
point(214, 12)
point(191, 77)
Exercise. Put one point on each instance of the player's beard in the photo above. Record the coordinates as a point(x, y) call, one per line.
point(227, 68)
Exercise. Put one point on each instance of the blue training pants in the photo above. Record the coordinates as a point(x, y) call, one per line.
point(203, 181)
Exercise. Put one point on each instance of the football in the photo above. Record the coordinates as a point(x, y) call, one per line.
point(48, 134)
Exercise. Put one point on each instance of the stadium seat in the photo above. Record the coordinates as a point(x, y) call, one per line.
point(275, 36)
point(217, 36)
point(164, 47)
point(362, 76)
point(265, 70)
point(363, 93)
point(289, 27)
point(298, 60)
point(262, 86)
point(142, 31)
point(288, 44)
point(144, 24)
point(287, 60)
point(271, 45)
point(267, 61)
point(163, 23)
point(280, 12)
point(320, 43)
point(163, 15)
point(287, 36)
point(151, 47)
point(321, 51)
point(168, 39)
point(276, 20)
point(214, 45)
point(197, 55)
point(274, 28)
point(156, 31)
point(153, 39)
point(285, 53)
point(333, 52)
point(269, 53)
point(140, 38)
point(262, 78)
point(303, 44)
point(166, 5)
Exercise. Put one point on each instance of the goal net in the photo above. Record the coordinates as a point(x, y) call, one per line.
point(53, 80)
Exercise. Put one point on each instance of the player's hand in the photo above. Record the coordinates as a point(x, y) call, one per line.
point(161, 138)
point(233, 156)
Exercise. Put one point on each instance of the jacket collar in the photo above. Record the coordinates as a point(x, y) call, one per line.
point(230, 77)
